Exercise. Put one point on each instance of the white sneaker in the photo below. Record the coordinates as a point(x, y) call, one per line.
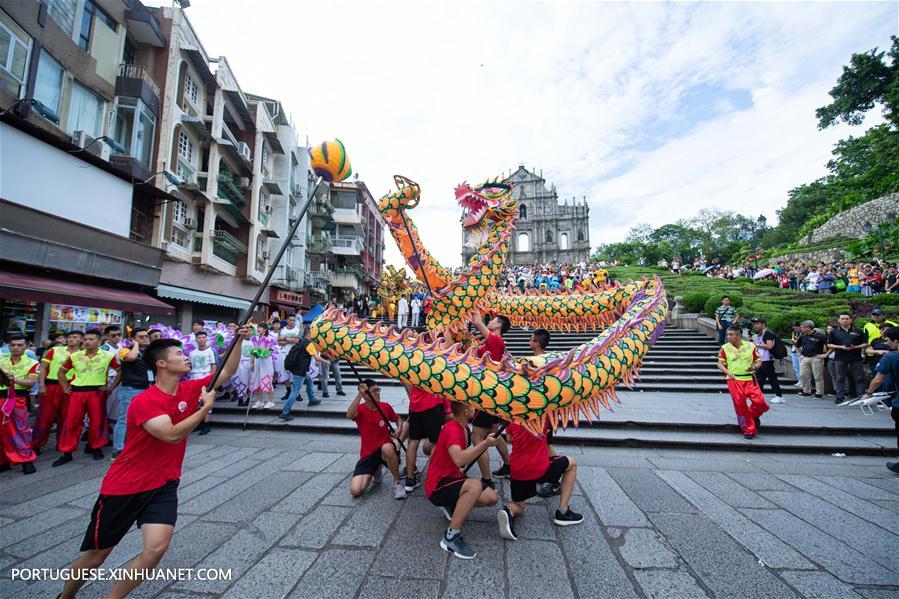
point(257, 405)
point(399, 491)
point(269, 405)
point(776, 399)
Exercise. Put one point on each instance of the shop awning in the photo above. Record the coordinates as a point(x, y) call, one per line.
point(201, 297)
point(42, 289)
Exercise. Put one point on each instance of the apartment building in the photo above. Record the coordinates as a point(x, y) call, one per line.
point(70, 195)
point(356, 256)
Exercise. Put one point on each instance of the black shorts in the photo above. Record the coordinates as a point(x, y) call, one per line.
point(525, 489)
point(427, 424)
point(447, 492)
point(113, 515)
point(484, 420)
point(369, 464)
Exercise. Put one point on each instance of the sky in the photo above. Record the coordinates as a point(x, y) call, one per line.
point(652, 111)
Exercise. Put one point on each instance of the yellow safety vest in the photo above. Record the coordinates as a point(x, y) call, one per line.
point(739, 360)
point(19, 370)
point(90, 371)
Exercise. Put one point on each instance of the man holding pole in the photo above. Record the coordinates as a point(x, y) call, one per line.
point(142, 485)
point(373, 417)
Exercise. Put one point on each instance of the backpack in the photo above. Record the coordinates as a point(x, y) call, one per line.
point(298, 359)
point(779, 351)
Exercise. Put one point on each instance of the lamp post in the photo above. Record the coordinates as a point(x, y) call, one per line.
point(761, 221)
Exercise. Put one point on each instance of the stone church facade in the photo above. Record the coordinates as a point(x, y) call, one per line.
point(547, 231)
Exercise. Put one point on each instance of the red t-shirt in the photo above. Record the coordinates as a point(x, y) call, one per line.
point(530, 456)
point(442, 465)
point(147, 462)
point(421, 401)
point(495, 345)
point(372, 427)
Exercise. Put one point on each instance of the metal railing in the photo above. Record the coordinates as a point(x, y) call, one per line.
point(350, 243)
point(139, 71)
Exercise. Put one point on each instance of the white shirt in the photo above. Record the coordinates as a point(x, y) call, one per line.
point(294, 333)
point(813, 279)
point(201, 361)
point(402, 306)
point(416, 305)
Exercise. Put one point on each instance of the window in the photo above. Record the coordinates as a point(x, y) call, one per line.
point(179, 237)
point(63, 12)
point(14, 49)
point(48, 87)
point(85, 112)
point(185, 148)
point(563, 241)
point(179, 212)
point(191, 91)
point(91, 10)
point(580, 235)
point(129, 52)
point(524, 242)
point(260, 252)
point(549, 237)
point(522, 211)
point(134, 127)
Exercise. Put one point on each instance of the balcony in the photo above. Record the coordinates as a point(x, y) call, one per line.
point(318, 281)
point(227, 190)
point(347, 277)
point(227, 247)
point(347, 246)
point(320, 214)
point(345, 216)
point(320, 245)
point(135, 81)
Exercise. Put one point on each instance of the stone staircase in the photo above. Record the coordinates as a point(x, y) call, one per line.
point(680, 401)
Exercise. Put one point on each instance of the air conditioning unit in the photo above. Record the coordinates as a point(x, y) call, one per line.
point(188, 223)
point(243, 181)
point(81, 138)
point(290, 274)
point(244, 150)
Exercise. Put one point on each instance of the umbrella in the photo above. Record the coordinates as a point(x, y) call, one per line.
point(765, 272)
point(313, 313)
point(708, 268)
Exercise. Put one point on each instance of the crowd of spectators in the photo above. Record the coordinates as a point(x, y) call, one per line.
point(866, 277)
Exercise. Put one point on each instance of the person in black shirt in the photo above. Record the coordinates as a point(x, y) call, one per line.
point(764, 343)
point(134, 378)
point(812, 352)
point(848, 341)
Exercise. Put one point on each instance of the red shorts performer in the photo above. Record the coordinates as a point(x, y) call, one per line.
point(20, 373)
point(141, 486)
point(739, 360)
point(87, 395)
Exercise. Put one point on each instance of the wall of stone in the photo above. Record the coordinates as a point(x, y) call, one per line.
point(851, 223)
point(826, 256)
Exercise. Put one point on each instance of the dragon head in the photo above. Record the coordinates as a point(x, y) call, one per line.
point(482, 204)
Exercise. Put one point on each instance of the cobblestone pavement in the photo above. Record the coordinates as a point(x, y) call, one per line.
point(275, 509)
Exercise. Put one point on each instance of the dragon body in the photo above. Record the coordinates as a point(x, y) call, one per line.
point(554, 388)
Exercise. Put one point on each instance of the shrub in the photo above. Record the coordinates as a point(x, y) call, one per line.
point(765, 283)
point(885, 299)
point(695, 302)
point(711, 304)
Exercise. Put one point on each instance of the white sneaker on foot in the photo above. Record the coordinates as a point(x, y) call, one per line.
point(776, 399)
point(269, 405)
point(257, 405)
point(399, 490)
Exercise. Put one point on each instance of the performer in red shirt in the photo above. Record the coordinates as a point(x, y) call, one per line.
point(448, 488)
point(377, 447)
point(483, 423)
point(142, 484)
point(530, 466)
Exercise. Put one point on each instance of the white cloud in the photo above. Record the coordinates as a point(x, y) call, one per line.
point(598, 95)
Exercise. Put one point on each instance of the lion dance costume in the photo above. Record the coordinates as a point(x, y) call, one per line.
point(556, 387)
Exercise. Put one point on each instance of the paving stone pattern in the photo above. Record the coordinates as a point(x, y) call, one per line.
point(275, 509)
